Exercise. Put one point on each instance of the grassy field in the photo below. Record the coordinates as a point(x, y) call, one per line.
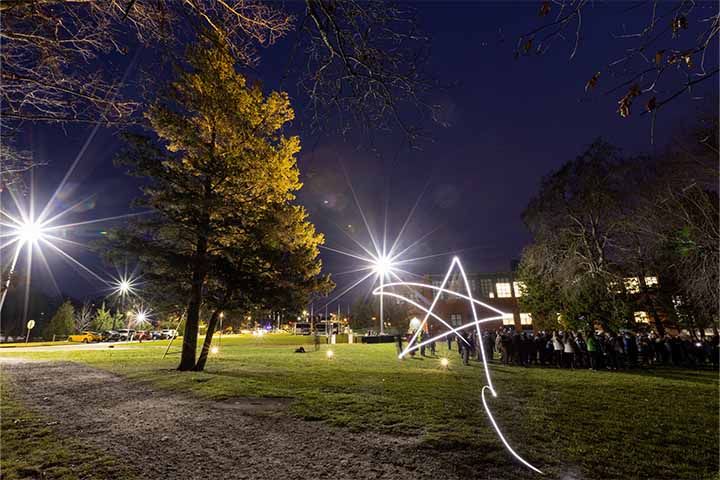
point(651, 424)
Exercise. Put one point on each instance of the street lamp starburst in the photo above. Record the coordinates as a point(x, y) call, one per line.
point(25, 232)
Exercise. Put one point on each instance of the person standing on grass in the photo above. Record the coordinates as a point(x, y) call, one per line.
point(540, 342)
point(516, 348)
point(399, 345)
point(581, 353)
point(498, 346)
point(489, 344)
point(466, 348)
point(568, 351)
point(557, 349)
point(422, 338)
point(593, 349)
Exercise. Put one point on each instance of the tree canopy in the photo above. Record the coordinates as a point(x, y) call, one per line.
point(223, 228)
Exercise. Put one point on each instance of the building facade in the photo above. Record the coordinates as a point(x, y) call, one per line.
point(500, 290)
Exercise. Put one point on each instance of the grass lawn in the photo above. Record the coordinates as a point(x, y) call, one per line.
point(652, 424)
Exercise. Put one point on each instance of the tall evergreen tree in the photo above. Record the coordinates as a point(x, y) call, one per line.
point(62, 323)
point(224, 164)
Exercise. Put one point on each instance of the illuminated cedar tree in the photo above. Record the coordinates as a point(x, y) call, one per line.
point(274, 265)
point(224, 164)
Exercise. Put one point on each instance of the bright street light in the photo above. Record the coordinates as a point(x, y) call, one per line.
point(383, 265)
point(30, 232)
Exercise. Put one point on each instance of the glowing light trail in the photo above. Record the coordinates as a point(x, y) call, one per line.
point(412, 345)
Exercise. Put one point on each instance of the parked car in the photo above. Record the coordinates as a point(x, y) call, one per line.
point(169, 333)
point(124, 334)
point(109, 335)
point(156, 335)
point(85, 337)
point(142, 335)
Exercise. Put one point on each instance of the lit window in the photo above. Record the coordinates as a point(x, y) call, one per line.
point(642, 317)
point(525, 319)
point(492, 295)
point(518, 287)
point(508, 319)
point(473, 285)
point(632, 284)
point(455, 319)
point(651, 281)
point(503, 289)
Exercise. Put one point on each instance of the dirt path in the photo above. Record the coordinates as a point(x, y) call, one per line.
point(172, 436)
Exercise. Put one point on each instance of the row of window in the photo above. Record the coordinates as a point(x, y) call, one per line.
point(504, 288)
point(456, 319)
point(632, 284)
point(526, 318)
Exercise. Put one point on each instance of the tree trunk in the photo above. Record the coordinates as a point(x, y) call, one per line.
point(658, 322)
point(189, 346)
point(212, 325)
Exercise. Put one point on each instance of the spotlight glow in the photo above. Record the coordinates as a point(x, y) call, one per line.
point(214, 350)
point(384, 259)
point(329, 354)
point(383, 265)
point(30, 232)
point(476, 323)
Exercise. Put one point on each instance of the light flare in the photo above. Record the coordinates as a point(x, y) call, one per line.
point(414, 345)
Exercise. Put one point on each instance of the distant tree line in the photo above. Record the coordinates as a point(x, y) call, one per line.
point(365, 315)
point(605, 217)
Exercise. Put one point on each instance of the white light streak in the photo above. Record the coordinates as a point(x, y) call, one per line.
point(412, 345)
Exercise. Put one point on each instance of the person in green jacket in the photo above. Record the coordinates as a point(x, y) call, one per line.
point(593, 348)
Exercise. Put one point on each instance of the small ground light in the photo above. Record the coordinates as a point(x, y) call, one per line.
point(444, 362)
point(214, 350)
point(329, 354)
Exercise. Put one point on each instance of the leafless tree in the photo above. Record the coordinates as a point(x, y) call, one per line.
point(680, 213)
point(672, 52)
point(51, 49)
point(14, 165)
point(83, 317)
point(359, 59)
point(364, 61)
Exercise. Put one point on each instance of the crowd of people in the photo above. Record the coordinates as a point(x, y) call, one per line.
point(571, 350)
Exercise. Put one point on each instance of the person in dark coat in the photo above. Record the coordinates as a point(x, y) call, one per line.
point(466, 348)
point(517, 348)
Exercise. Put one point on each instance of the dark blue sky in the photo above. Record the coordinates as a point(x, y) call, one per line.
point(511, 122)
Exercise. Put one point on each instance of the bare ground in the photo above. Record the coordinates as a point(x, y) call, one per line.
point(175, 436)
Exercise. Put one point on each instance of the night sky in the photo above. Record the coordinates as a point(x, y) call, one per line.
point(510, 123)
